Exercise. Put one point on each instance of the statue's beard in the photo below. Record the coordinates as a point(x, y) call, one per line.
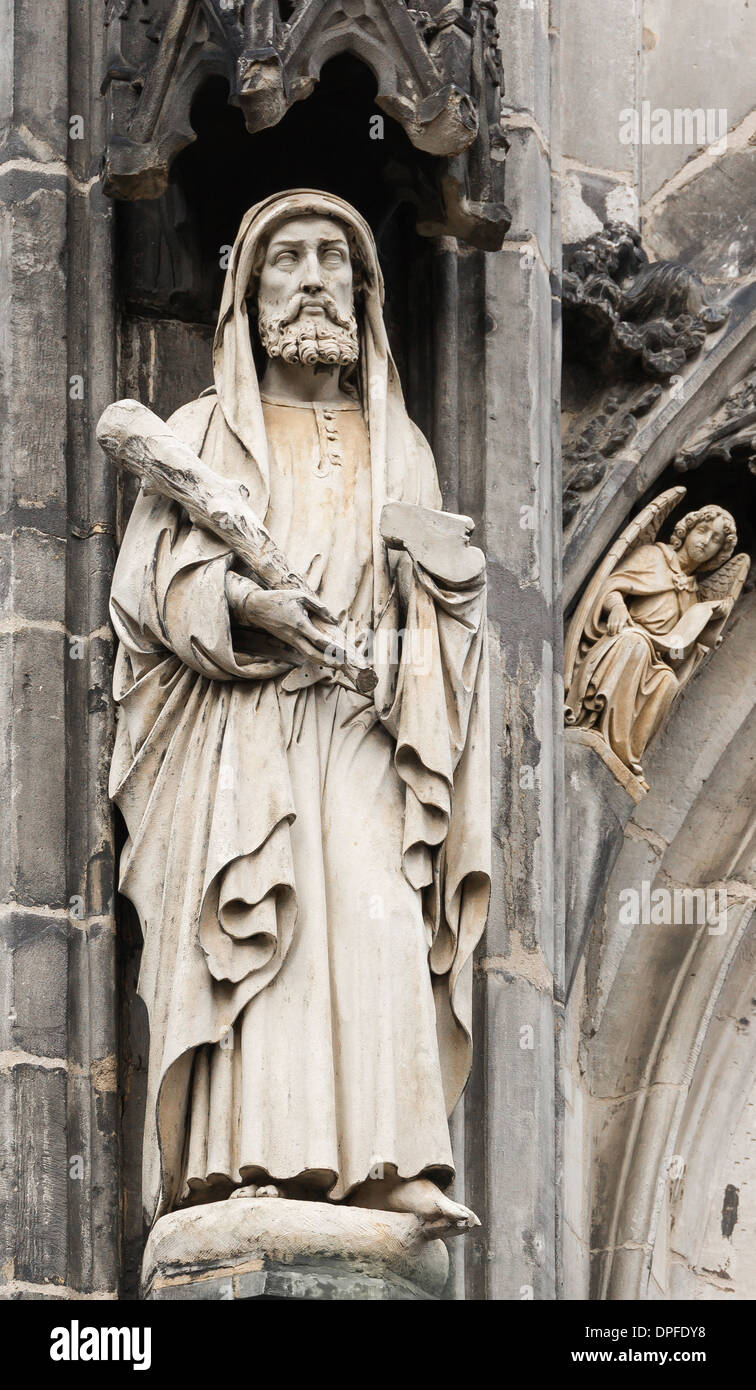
point(332, 340)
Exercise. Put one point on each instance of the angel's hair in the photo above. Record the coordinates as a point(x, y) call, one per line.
point(709, 513)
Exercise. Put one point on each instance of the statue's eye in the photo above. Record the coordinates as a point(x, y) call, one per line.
point(285, 259)
point(333, 258)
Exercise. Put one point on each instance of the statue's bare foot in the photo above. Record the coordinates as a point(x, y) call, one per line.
point(437, 1213)
point(251, 1189)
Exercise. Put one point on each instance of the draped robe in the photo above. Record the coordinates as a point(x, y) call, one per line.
point(310, 866)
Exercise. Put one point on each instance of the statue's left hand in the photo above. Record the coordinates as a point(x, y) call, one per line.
point(285, 614)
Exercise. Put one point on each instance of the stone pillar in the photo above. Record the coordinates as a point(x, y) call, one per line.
point(513, 1096)
point(602, 59)
point(58, 1171)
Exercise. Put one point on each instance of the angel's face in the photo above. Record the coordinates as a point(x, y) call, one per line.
point(704, 541)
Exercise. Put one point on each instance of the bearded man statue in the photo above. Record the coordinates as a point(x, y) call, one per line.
point(310, 864)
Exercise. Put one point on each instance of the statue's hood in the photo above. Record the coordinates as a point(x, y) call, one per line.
point(235, 372)
point(233, 358)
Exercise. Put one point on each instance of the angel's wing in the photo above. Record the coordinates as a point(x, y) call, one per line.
point(728, 580)
point(642, 529)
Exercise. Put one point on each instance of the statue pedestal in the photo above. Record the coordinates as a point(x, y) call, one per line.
point(587, 738)
point(270, 1247)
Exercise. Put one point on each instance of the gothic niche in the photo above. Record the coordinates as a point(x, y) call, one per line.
point(213, 107)
point(718, 463)
point(630, 327)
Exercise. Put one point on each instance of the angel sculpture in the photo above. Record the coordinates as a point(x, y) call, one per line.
point(646, 622)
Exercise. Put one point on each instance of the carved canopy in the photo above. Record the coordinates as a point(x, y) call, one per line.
point(437, 71)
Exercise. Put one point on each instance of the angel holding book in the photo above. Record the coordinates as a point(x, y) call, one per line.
point(649, 617)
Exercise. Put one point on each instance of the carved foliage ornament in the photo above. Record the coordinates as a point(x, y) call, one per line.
point(624, 311)
point(587, 451)
point(730, 438)
point(437, 69)
point(628, 319)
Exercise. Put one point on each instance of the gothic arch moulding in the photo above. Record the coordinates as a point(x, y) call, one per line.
point(666, 1052)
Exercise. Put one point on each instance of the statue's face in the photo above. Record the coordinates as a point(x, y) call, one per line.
point(305, 297)
point(704, 541)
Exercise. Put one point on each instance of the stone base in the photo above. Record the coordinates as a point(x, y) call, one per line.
point(627, 779)
point(270, 1247)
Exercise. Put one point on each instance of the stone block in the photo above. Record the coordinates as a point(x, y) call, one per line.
point(35, 950)
point(523, 25)
point(599, 79)
point(701, 223)
point(528, 188)
point(701, 64)
point(37, 49)
point(520, 1125)
point(37, 1176)
point(32, 576)
point(92, 1121)
point(590, 198)
point(598, 809)
point(518, 435)
point(7, 812)
point(92, 1024)
point(167, 362)
point(37, 800)
point(34, 358)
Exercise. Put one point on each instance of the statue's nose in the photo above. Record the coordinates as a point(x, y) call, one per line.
point(312, 278)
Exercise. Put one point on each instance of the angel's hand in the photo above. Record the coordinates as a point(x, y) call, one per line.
point(723, 607)
point(618, 618)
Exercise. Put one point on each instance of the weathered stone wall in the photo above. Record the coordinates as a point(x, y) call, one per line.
point(513, 1093)
point(691, 63)
point(59, 1127)
point(658, 60)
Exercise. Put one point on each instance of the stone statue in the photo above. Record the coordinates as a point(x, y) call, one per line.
point(647, 621)
point(308, 855)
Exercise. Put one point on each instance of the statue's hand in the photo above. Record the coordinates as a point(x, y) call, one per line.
point(618, 618)
point(285, 614)
point(723, 607)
